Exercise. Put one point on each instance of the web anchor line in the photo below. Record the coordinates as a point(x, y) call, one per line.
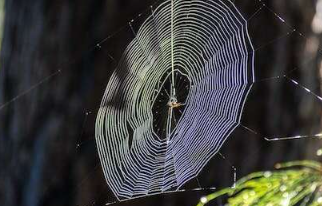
point(292, 81)
point(305, 89)
point(275, 40)
point(255, 13)
point(281, 138)
point(79, 139)
point(280, 18)
point(234, 169)
point(31, 88)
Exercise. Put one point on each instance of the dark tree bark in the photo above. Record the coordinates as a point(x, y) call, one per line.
point(53, 76)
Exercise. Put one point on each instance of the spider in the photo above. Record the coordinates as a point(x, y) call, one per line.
point(173, 102)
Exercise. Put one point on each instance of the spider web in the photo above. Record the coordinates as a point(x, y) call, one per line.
point(283, 76)
point(187, 74)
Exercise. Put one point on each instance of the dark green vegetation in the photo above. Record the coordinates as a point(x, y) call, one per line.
point(294, 183)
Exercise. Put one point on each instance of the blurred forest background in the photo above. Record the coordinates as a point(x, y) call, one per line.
point(53, 75)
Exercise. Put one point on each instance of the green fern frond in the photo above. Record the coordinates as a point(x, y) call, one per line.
point(294, 183)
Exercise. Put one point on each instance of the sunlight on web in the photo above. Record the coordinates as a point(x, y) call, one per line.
point(185, 79)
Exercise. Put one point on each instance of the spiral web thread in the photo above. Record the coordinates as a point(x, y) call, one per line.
point(184, 80)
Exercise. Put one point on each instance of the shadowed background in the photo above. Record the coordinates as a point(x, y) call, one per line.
point(53, 76)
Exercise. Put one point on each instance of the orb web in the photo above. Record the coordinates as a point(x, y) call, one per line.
point(175, 96)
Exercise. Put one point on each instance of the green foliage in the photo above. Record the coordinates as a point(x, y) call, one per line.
point(294, 183)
